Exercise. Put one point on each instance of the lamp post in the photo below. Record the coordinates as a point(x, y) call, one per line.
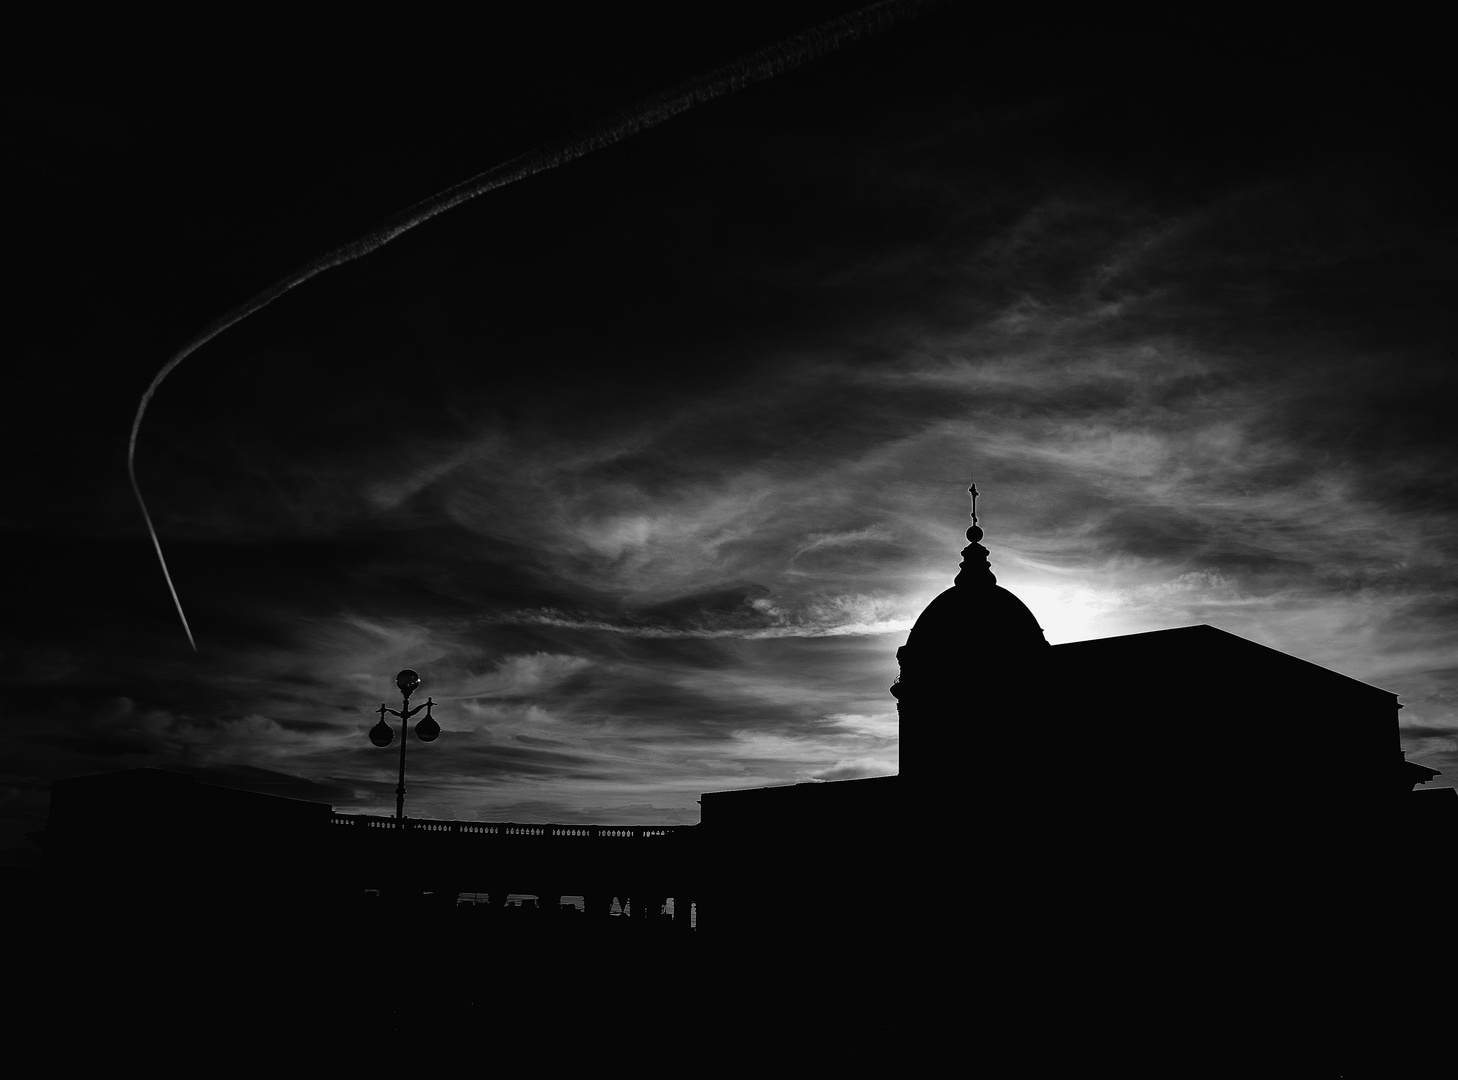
point(426, 731)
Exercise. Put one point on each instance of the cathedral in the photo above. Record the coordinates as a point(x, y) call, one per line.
point(1188, 821)
point(1135, 842)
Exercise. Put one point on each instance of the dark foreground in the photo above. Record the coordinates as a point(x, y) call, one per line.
point(173, 991)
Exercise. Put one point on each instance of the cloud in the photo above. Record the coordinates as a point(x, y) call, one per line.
point(750, 617)
point(649, 477)
point(856, 770)
point(521, 676)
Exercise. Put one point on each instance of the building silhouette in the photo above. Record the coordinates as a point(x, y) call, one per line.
point(1181, 830)
point(1167, 846)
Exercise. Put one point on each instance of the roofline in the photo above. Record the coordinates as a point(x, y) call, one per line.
point(802, 784)
point(1236, 637)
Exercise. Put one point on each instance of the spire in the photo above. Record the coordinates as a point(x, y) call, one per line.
point(974, 570)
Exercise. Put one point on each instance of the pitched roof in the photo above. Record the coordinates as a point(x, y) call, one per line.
point(1202, 647)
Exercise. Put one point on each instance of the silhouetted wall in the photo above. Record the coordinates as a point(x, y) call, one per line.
point(808, 861)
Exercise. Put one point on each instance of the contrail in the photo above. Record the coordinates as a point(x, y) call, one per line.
point(757, 67)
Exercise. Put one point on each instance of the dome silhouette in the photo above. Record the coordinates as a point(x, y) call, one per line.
point(966, 627)
point(969, 632)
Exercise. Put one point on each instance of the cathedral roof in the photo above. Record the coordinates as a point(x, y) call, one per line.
point(975, 621)
point(985, 619)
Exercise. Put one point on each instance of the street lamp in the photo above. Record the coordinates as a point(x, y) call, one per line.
point(426, 731)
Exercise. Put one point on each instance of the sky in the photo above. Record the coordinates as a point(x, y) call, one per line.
point(647, 463)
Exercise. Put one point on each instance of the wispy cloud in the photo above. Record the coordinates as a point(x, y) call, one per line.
point(649, 476)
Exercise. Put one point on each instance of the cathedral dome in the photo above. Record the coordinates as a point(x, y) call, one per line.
point(974, 631)
point(973, 624)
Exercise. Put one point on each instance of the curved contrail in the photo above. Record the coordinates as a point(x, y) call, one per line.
point(765, 64)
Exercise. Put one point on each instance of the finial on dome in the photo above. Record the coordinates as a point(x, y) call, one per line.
point(974, 534)
point(974, 570)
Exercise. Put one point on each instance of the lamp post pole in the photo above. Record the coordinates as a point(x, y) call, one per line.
point(426, 731)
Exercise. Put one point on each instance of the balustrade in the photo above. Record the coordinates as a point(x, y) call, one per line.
point(509, 828)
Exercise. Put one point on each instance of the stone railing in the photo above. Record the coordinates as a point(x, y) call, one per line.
point(508, 828)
